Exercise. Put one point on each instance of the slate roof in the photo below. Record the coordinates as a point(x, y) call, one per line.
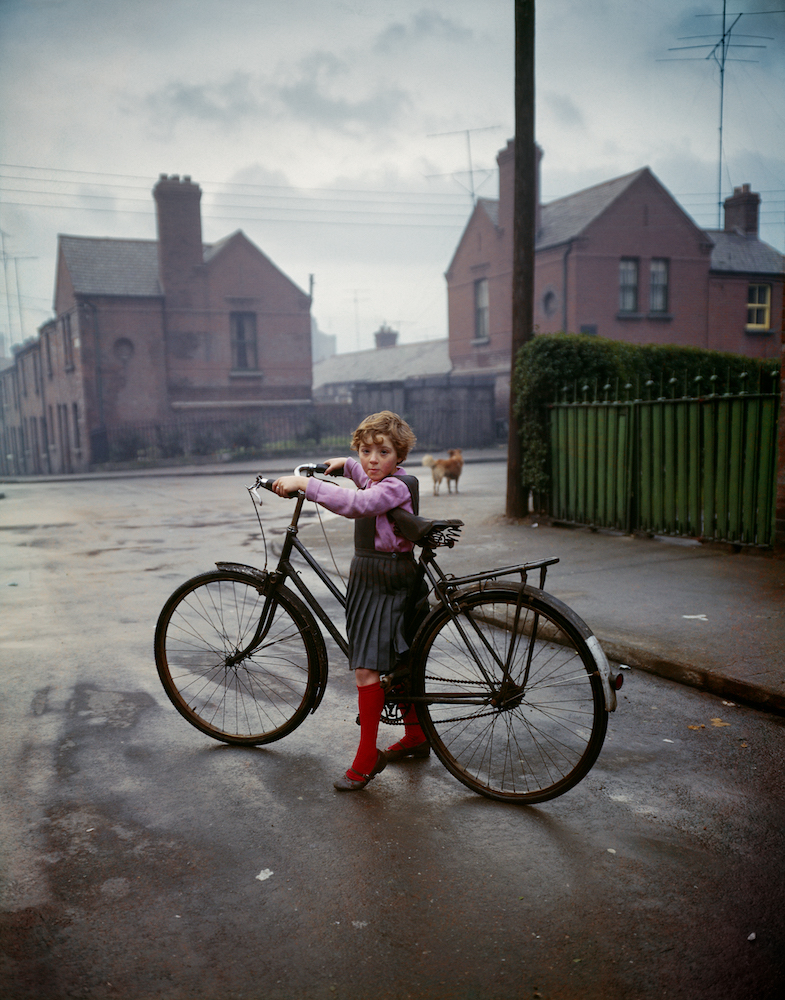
point(385, 364)
point(741, 253)
point(565, 218)
point(111, 267)
point(491, 207)
point(101, 266)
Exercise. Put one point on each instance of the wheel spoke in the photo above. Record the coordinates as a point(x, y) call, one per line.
point(543, 721)
point(257, 698)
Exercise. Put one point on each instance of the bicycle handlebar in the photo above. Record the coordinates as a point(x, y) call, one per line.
point(308, 469)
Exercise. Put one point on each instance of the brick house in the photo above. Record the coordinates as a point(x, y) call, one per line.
point(152, 330)
point(620, 260)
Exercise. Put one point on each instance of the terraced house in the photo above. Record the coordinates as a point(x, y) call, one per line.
point(620, 260)
point(153, 330)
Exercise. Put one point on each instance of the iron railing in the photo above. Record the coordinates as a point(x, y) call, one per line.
point(703, 466)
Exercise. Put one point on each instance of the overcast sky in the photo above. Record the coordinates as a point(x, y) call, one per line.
point(318, 128)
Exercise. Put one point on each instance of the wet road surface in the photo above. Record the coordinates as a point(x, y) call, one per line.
point(144, 860)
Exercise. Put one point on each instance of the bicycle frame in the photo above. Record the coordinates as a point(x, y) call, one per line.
point(286, 571)
point(443, 587)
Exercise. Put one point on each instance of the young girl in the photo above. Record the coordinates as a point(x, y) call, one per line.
point(380, 579)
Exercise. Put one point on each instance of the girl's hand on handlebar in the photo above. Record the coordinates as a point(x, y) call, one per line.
point(335, 466)
point(290, 486)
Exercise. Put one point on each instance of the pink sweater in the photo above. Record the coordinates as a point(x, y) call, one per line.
point(370, 500)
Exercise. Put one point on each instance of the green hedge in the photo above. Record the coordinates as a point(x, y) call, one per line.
point(576, 366)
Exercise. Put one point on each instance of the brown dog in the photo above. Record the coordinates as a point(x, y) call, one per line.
point(445, 468)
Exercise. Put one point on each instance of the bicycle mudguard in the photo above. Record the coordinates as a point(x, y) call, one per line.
point(263, 577)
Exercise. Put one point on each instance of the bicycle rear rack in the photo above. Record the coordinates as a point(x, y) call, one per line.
point(523, 568)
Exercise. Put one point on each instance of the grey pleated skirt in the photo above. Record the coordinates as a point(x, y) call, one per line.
point(379, 586)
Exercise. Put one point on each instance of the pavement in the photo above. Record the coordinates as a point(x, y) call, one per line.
point(708, 616)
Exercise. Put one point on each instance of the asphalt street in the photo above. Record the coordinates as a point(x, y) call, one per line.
point(143, 860)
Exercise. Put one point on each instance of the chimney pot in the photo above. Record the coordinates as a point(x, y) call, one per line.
point(386, 337)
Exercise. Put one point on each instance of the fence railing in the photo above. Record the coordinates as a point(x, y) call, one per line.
point(702, 466)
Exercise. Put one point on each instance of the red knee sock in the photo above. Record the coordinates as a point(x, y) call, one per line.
point(370, 698)
point(413, 733)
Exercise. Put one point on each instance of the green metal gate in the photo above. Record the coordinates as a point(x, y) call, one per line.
point(704, 467)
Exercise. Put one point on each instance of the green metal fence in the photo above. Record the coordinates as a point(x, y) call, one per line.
point(702, 466)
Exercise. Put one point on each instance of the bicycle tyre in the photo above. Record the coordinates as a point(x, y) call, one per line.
point(536, 736)
point(265, 695)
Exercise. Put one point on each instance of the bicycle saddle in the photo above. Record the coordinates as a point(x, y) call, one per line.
point(423, 530)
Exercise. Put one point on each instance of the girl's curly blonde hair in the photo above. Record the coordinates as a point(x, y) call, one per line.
point(375, 426)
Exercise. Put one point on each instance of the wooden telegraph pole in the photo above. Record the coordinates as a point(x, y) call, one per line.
point(523, 232)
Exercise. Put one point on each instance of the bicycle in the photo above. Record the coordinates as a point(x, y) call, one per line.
point(511, 687)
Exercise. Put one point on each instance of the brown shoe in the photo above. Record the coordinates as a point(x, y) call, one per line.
point(347, 784)
point(398, 752)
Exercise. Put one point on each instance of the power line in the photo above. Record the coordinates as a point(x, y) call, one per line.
point(246, 218)
point(208, 185)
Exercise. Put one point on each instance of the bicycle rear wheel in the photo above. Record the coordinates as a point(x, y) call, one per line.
point(526, 734)
point(228, 686)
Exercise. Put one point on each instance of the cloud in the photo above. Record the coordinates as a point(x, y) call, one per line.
point(562, 110)
point(322, 90)
point(426, 25)
point(313, 99)
point(226, 102)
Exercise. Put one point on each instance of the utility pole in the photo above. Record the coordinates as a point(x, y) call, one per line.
point(523, 234)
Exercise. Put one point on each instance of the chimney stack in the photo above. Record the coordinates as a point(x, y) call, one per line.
point(741, 211)
point(386, 337)
point(179, 232)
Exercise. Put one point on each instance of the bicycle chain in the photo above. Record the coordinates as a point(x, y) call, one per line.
point(394, 718)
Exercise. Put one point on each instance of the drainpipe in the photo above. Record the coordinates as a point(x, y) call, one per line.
point(99, 386)
point(564, 287)
point(43, 402)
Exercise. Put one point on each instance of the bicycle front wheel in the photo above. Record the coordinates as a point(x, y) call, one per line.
point(230, 682)
point(510, 695)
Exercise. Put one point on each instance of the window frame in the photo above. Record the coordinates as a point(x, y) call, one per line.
point(481, 311)
point(240, 323)
point(627, 287)
point(663, 288)
point(757, 306)
point(68, 343)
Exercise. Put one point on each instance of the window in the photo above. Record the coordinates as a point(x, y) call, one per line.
point(628, 285)
point(658, 286)
point(481, 309)
point(758, 307)
point(48, 343)
point(68, 342)
point(243, 330)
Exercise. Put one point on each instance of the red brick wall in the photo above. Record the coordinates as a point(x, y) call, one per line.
point(484, 252)
point(123, 357)
point(199, 355)
point(728, 316)
point(643, 223)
